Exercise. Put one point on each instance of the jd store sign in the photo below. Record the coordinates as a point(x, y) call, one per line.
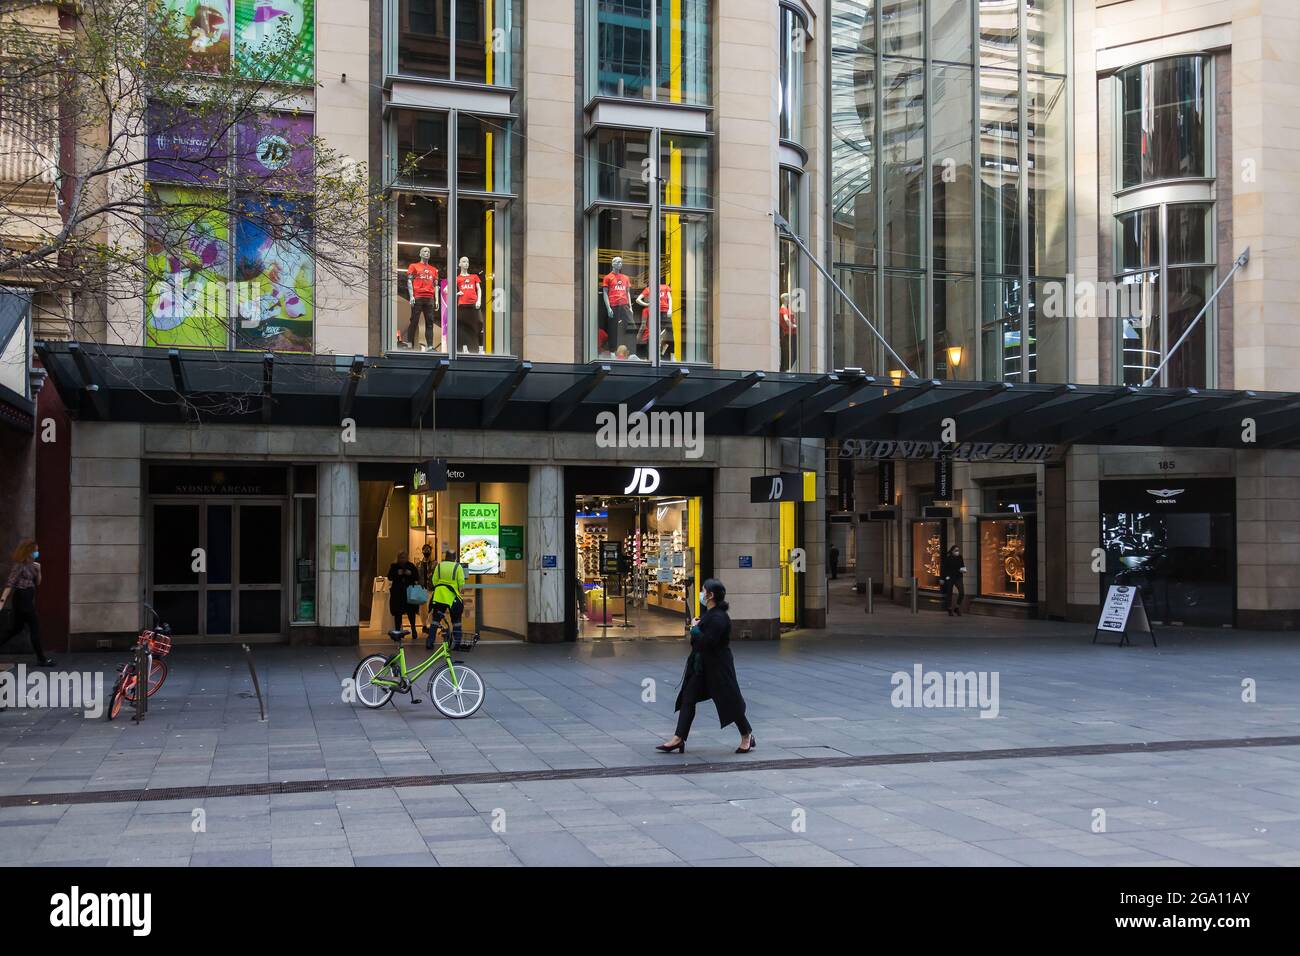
point(787, 486)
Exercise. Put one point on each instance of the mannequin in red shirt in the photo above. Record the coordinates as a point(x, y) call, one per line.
point(469, 309)
point(788, 328)
point(616, 296)
point(665, 319)
point(422, 290)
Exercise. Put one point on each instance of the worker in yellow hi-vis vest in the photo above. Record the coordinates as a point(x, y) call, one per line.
point(446, 582)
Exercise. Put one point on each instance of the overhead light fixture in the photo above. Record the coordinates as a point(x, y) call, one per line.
point(954, 356)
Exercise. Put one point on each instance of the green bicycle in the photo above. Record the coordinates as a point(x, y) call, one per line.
point(455, 689)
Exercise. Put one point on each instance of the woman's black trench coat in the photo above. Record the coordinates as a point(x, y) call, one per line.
point(710, 672)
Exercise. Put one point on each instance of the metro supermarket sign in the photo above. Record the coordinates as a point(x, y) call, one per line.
point(873, 450)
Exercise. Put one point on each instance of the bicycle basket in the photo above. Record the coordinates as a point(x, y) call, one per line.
point(160, 645)
point(465, 642)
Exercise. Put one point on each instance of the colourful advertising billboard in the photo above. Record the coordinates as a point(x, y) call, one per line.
point(275, 275)
point(206, 25)
point(277, 149)
point(183, 148)
point(284, 26)
point(187, 263)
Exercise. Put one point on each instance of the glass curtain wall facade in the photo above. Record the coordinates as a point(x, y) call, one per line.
point(948, 181)
point(649, 50)
point(624, 260)
point(464, 41)
point(792, 305)
point(1164, 250)
point(451, 177)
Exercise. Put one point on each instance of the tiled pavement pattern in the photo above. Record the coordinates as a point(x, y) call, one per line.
point(815, 694)
point(1231, 807)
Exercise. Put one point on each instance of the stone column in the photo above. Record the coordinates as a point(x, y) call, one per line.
point(338, 524)
point(1083, 525)
point(551, 31)
point(547, 524)
point(743, 527)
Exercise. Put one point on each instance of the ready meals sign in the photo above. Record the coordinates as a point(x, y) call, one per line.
point(480, 519)
point(480, 537)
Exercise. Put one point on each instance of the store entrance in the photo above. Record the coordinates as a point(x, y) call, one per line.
point(635, 567)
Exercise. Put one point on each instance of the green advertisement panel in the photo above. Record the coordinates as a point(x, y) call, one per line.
point(512, 542)
point(188, 265)
point(285, 28)
point(480, 537)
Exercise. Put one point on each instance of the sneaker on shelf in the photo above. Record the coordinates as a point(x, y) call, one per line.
point(480, 350)
point(464, 350)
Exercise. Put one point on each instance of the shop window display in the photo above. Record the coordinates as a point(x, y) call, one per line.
point(928, 545)
point(650, 597)
point(1004, 558)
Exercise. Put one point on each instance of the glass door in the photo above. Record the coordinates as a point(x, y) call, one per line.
point(216, 567)
point(261, 568)
point(175, 586)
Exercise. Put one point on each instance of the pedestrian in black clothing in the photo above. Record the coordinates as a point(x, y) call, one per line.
point(401, 575)
point(835, 562)
point(24, 578)
point(951, 570)
point(710, 673)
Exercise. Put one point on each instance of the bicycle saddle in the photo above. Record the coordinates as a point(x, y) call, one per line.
point(396, 635)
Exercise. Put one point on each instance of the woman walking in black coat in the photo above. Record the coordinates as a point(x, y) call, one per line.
point(711, 674)
point(951, 570)
point(401, 575)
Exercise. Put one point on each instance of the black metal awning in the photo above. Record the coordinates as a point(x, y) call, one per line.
point(118, 383)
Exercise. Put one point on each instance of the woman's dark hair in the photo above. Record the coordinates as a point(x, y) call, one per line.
point(718, 590)
point(952, 548)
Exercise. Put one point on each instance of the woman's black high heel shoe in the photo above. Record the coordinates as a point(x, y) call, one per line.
point(680, 747)
point(753, 745)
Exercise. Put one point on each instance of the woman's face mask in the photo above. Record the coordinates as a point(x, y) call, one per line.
point(35, 555)
point(704, 598)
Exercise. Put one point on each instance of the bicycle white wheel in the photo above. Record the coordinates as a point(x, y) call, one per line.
point(459, 698)
point(372, 695)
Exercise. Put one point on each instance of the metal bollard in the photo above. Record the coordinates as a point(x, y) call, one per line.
point(143, 665)
point(257, 687)
point(871, 598)
point(914, 596)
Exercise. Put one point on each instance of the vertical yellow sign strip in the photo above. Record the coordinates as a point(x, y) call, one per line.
point(693, 542)
point(676, 261)
point(675, 53)
point(489, 222)
point(487, 13)
point(787, 522)
point(490, 214)
point(673, 223)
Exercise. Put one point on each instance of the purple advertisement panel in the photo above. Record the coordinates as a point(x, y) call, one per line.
point(277, 148)
point(183, 148)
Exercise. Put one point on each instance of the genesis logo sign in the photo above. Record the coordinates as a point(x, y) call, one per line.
point(1166, 496)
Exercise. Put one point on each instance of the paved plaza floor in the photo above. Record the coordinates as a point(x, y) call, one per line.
point(534, 777)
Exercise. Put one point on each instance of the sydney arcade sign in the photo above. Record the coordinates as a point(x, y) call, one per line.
point(883, 449)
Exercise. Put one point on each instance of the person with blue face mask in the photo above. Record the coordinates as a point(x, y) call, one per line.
point(24, 578)
point(710, 674)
